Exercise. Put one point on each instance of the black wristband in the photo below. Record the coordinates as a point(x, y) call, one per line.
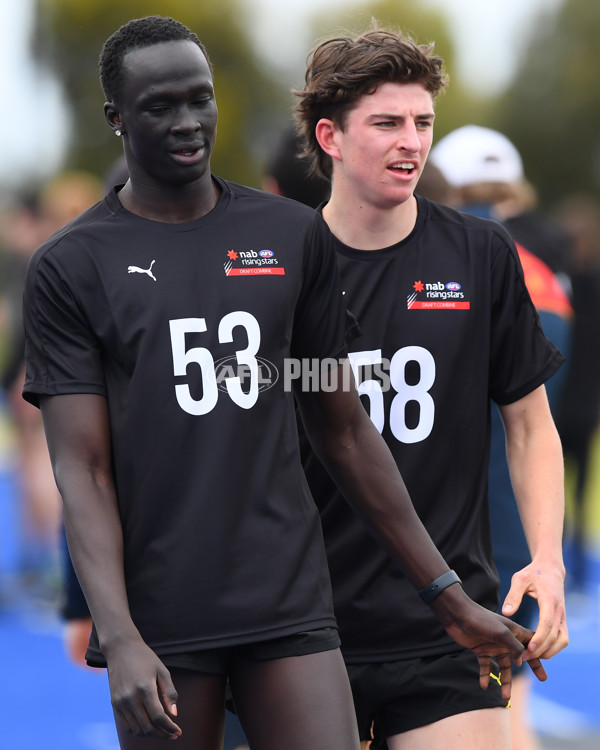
point(436, 587)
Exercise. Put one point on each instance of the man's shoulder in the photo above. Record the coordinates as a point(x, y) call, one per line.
point(453, 216)
point(453, 222)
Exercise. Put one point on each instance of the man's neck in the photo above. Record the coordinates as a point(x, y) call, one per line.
point(174, 206)
point(367, 227)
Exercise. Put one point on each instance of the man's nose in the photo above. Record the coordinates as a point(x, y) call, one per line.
point(408, 138)
point(187, 120)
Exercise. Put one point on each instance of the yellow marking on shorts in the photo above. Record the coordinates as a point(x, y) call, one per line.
point(496, 677)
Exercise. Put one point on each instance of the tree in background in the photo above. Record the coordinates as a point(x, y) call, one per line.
point(551, 111)
point(68, 35)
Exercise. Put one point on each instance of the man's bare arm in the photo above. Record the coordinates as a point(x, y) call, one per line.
point(78, 436)
point(536, 468)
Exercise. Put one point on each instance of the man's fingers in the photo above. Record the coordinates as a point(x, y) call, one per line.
point(143, 715)
point(513, 600)
point(538, 669)
point(163, 726)
point(555, 643)
point(556, 648)
point(123, 718)
point(552, 634)
point(510, 637)
point(543, 637)
point(505, 677)
point(521, 637)
point(167, 693)
point(161, 723)
point(168, 696)
point(502, 676)
point(129, 721)
point(485, 666)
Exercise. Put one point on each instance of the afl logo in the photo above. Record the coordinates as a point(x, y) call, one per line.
point(265, 373)
point(266, 253)
point(453, 286)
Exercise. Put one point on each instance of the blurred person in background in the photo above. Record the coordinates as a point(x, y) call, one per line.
point(484, 169)
point(28, 224)
point(485, 174)
point(287, 173)
point(568, 241)
point(20, 234)
point(433, 185)
point(537, 230)
point(37, 507)
point(117, 174)
point(579, 409)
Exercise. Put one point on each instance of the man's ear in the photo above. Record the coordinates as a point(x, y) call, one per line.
point(113, 118)
point(326, 134)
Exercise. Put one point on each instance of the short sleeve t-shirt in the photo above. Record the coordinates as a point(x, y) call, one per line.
point(186, 330)
point(447, 325)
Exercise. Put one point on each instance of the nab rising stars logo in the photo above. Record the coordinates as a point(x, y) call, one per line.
point(252, 263)
point(437, 295)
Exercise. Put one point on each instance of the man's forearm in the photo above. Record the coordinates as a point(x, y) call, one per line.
point(95, 539)
point(536, 468)
point(78, 435)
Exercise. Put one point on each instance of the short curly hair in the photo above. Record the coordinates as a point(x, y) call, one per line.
point(136, 34)
point(343, 69)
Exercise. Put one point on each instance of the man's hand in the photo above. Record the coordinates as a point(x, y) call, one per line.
point(487, 634)
point(546, 585)
point(142, 692)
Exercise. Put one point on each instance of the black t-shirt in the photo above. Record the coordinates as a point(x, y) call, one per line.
point(222, 538)
point(447, 324)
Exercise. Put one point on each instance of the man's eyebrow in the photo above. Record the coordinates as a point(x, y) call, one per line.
point(167, 93)
point(388, 116)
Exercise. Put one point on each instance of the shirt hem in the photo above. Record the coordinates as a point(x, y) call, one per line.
point(94, 657)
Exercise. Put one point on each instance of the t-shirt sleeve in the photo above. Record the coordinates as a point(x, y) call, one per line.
point(62, 355)
point(522, 358)
point(322, 326)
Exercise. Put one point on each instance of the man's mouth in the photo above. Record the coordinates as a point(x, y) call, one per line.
point(403, 166)
point(188, 155)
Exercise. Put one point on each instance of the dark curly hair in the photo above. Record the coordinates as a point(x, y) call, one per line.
point(343, 69)
point(136, 34)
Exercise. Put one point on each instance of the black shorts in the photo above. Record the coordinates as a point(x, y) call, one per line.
point(218, 660)
point(402, 695)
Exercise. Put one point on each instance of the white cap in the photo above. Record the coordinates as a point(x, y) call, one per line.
point(473, 154)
